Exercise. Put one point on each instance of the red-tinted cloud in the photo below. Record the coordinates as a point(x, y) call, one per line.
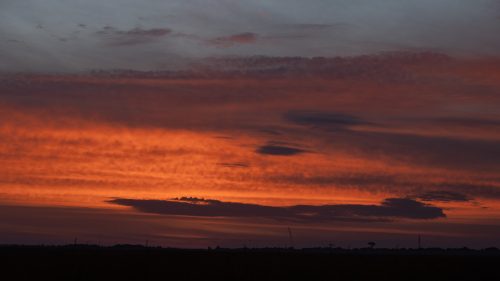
point(236, 39)
point(237, 130)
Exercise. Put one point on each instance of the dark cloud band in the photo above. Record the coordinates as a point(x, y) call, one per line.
point(279, 150)
point(390, 208)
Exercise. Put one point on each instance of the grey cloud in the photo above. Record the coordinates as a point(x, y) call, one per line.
point(388, 209)
point(132, 37)
point(235, 39)
point(316, 26)
point(155, 32)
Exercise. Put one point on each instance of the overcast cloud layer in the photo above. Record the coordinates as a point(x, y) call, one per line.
point(59, 36)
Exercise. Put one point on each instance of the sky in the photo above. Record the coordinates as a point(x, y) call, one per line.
point(204, 123)
point(82, 35)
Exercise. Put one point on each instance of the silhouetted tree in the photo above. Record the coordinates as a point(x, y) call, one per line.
point(372, 244)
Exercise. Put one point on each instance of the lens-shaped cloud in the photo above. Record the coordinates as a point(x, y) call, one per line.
point(390, 208)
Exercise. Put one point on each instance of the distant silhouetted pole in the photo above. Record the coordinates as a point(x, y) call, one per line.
point(290, 236)
point(419, 242)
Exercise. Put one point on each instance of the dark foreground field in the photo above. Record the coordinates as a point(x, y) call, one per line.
point(139, 263)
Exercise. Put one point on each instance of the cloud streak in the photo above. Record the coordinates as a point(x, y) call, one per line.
point(324, 120)
point(388, 209)
point(235, 39)
point(444, 196)
point(279, 150)
point(134, 36)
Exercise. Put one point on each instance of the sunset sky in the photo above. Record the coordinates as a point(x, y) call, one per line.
point(227, 122)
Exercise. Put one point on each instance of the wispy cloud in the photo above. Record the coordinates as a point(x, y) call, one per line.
point(135, 36)
point(235, 39)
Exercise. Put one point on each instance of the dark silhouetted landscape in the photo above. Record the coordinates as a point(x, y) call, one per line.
point(131, 262)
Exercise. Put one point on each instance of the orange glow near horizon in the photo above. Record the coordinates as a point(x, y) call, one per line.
point(82, 141)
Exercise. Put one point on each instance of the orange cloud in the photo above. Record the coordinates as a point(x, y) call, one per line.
point(355, 131)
